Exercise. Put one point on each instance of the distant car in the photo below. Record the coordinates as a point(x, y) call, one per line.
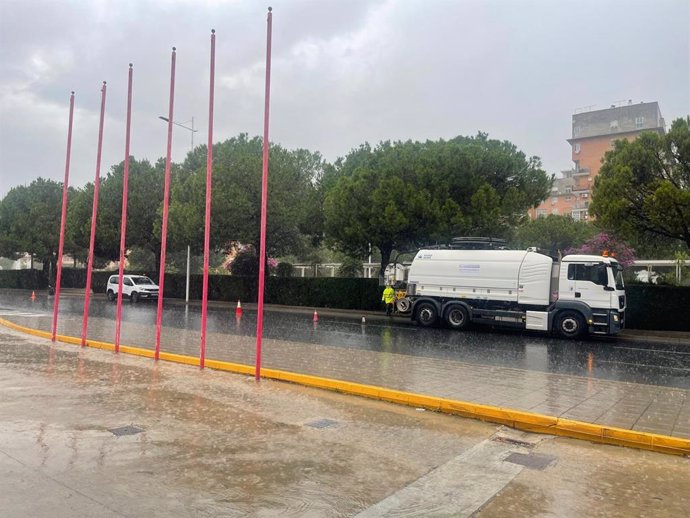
point(136, 287)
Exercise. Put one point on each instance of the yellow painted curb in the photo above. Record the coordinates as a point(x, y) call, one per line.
point(537, 423)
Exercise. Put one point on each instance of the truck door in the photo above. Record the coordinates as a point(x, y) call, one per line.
point(590, 280)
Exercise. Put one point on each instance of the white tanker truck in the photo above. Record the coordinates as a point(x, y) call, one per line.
point(521, 289)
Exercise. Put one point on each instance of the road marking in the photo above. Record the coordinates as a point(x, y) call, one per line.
point(22, 314)
point(656, 351)
point(644, 365)
point(458, 488)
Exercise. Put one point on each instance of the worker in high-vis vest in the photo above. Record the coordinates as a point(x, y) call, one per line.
point(389, 298)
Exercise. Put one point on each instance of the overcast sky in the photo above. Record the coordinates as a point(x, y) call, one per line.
point(344, 72)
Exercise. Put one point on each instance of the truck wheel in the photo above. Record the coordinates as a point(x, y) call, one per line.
point(111, 295)
point(135, 297)
point(570, 324)
point(403, 305)
point(427, 314)
point(457, 317)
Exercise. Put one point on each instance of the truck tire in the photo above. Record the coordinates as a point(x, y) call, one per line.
point(570, 324)
point(403, 305)
point(427, 314)
point(111, 295)
point(135, 297)
point(457, 317)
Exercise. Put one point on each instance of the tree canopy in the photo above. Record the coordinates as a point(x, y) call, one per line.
point(236, 201)
point(553, 233)
point(144, 200)
point(405, 194)
point(30, 220)
point(643, 187)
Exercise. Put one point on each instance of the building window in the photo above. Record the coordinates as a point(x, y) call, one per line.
point(639, 122)
point(568, 198)
point(614, 125)
point(575, 215)
point(554, 211)
point(577, 148)
point(541, 213)
point(576, 130)
point(568, 190)
point(554, 200)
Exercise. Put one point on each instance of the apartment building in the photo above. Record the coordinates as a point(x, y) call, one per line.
point(593, 134)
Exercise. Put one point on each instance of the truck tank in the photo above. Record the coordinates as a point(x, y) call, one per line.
point(517, 276)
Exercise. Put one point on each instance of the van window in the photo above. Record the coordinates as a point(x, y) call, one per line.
point(128, 282)
point(112, 280)
point(595, 273)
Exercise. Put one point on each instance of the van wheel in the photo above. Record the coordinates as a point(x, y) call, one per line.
point(570, 324)
point(111, 295)
point(427, 315)
point(457, 317)
point(135, 297)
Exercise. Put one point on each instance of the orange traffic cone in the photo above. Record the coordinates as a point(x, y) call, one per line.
point(316, 317)
point(33, 296)
point(238, 311)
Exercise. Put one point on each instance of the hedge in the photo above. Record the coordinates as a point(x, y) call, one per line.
point(649, 306)
point(329, 292)
point(658, 307)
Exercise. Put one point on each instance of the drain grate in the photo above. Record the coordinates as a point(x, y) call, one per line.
point(322, 423)
point(125, 430)
point(531, 460)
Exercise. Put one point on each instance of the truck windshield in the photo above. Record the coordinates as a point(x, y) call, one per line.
point(618, 275)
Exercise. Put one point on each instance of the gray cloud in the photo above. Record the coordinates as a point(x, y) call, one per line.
point(343, 73)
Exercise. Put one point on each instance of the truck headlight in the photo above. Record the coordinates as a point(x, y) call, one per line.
point(615, 317)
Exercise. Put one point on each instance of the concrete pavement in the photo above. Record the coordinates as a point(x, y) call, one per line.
point(89, 433)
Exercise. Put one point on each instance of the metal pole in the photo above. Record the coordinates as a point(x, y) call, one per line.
point(193, 130)
point(94, 212)
point(207, 218)
point(63, 218)
point(166, 201)
point(186, 292)
point(123, 223)
point(264, 200)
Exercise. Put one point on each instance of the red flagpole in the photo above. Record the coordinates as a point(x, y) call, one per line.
point(264, 200)
point(166, 200)
point(207, 221)
point(123, 225)
point(63, 217)
point(94, 212)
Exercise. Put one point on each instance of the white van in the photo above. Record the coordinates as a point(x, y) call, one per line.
point(135, 287)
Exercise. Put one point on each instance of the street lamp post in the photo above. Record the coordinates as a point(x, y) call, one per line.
point(192, 131)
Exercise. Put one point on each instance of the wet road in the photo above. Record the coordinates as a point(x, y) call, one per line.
point(639, 362)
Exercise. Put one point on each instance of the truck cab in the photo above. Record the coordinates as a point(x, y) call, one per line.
point(597, 283)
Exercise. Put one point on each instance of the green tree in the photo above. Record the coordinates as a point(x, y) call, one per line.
point(399, 196)
point(30, 220)
point(236, 203)
point(144, 201)
point(553, 233)
point(643, 187)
